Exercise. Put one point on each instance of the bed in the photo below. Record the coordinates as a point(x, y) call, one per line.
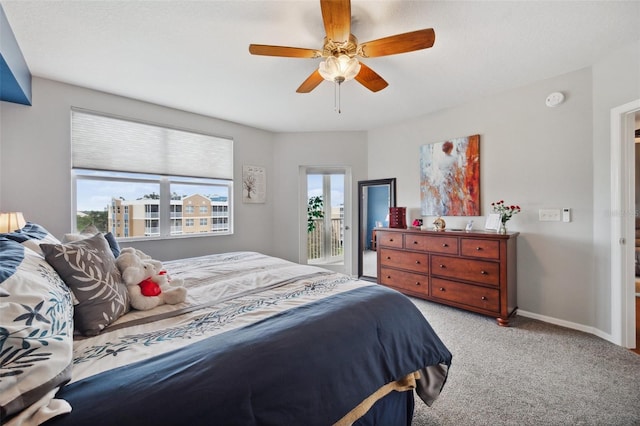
point(259, 340)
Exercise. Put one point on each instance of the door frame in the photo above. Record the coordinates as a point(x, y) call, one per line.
point(623, 224)
point(362, 211)
point(303, 171)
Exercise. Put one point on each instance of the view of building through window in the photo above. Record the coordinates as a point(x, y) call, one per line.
point(130, 206)
point(135, 218)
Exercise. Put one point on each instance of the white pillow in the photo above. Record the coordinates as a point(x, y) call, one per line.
point(36, 328)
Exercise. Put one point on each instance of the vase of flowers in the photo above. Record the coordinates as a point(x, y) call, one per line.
point(503, 228)
point(506, 212)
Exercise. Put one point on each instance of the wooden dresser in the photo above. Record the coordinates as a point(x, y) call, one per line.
point(475, 271)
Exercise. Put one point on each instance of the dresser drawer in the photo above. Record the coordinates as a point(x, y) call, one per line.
point(405, 259)
point(415, 283)
point(466, 294)
point(389, 239)
point(479, 271)
point(448, 245)
point(487, 249)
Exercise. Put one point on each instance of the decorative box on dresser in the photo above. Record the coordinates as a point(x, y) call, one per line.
point(475, 271)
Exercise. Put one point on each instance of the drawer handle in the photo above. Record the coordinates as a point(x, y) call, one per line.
point(417, 282)
point(483, 272)
point(415, 242)
point(478, 248)
point(441, 288)
point(483, 298)
point(417, 262)
point(388, 277)
point(442, 266)
point(391, 240)
point(445, 245)
point(388, 257)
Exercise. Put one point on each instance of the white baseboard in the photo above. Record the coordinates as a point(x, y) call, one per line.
point(568, 324)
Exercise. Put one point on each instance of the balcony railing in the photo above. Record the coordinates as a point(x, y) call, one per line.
point(316, 240)
point(151, 231)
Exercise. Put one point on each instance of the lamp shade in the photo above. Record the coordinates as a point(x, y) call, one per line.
point(11, 221)
point(339, 69)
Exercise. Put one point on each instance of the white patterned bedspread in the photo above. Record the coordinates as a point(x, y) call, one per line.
point(225, 292)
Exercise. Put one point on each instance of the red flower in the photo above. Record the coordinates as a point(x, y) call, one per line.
point(505, 211)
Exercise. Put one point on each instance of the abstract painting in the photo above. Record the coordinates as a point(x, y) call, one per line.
point(450, 177)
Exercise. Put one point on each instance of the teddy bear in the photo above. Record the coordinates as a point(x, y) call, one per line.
point(147, 283)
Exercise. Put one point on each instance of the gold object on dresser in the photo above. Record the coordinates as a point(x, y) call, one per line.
point(475, 271)
point(439, 224)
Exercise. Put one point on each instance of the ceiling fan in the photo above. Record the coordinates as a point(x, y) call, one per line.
point(341, 49)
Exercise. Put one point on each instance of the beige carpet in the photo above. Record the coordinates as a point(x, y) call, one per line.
point(532, 373)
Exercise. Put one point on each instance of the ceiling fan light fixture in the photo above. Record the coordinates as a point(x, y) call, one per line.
point(339, 68)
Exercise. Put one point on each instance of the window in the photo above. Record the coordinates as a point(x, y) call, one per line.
point(153, 200)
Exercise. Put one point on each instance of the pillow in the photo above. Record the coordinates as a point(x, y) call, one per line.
point(36, 329)
point(90, 231)
point(113, 244)
point(32, 235)
point(88, 267)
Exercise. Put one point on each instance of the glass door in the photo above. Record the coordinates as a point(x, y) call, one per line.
point(327, 239)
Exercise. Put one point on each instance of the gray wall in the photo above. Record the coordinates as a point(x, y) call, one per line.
point(531, 155)
point(292, 150)
point(537, 157)
point(616, 81)
point(36, 161)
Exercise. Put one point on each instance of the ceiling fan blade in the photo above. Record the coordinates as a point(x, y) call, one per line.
point(287, 52)
point(370, 79)
point(311, 82)
point(336, 15)
point(399, 43)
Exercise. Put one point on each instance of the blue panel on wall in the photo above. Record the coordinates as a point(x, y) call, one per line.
point(377, 210)
point(10, 90)
point(15, 77)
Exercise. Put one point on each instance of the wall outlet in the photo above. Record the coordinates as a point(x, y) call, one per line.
point(549, 215)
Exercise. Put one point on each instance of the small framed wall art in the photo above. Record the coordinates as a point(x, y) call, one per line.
point(254, 184)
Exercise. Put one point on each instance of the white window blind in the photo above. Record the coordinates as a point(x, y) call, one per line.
point(107, 143)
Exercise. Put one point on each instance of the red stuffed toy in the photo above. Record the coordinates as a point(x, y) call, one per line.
point(148, 287)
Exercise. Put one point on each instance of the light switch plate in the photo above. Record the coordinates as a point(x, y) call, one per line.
point(549, 215)
point(566, 214)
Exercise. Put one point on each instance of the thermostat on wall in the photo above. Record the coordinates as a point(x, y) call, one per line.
point(554, 99)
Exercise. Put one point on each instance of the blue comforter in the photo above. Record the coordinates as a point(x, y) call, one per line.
point(305, 366)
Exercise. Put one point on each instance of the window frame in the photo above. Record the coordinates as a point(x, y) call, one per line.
point(164, 204)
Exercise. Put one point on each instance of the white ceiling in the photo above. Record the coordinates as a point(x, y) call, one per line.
point(193, 55)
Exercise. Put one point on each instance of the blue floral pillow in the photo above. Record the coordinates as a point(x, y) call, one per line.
point(36, 329)
point(32, 235)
